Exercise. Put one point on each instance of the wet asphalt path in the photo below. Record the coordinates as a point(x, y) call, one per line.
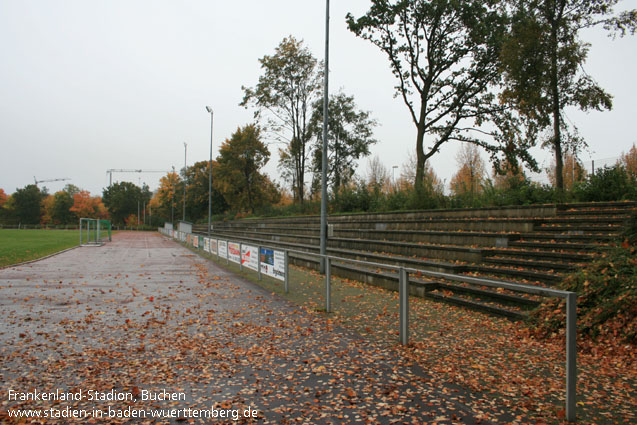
point(143, 314)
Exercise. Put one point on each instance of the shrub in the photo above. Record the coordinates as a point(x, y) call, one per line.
point(607, 299)
point(607, 184)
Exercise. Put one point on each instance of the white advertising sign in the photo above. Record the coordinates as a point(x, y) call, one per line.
point(273, 263)
point(234, 252)
point(249, 257)
point(223, 249)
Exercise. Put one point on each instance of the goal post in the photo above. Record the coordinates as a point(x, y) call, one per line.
point(94, 232)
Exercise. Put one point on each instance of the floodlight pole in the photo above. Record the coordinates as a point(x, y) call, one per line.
point(185, 151)
point(212, 115)
point(172, 203)
point(325, 129)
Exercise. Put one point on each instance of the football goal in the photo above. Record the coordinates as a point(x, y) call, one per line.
point(94, 232)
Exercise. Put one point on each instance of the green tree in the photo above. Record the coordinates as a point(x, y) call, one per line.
point(123, 199)
point(542, 61)
point(237, 176)
point(197, 177)
point(283, 99)
point(444, 55)
point(60, 211)
point(350, 134)
point(62, 202)
point(27, 204)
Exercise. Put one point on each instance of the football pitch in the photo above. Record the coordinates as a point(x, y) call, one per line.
point(17, 246)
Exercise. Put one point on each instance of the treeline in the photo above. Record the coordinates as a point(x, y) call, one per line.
point(240, 189)
point(31, 205)
point(473, 185)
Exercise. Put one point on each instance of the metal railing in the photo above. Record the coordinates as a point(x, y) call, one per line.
point(403, 296)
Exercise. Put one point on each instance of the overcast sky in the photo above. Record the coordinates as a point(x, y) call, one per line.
point(87, 85)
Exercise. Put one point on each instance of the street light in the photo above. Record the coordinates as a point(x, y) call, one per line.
point(323, 243)
point(212, 114)
point(185, 170)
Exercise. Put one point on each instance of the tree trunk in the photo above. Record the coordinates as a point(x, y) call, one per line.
point(420, 154)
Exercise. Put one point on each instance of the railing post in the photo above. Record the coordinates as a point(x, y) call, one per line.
point(286, 268)
point(403, 295)
point(240, 256)
point(259, 261)
point(328, 284)
point(571, 356)
point(228, 253)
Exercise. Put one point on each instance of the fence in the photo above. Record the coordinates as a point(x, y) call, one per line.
point(277, 266)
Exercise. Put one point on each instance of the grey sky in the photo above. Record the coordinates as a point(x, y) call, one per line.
point(90, 85)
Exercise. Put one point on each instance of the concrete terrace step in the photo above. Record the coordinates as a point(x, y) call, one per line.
point(489, 212)
point(552, 245)
point(576, 238)
point(616, 220)
point(595, 206)
point(441, 224)
point(609, 229)
point(519, 273)
point(461, 238)
point(530, 264)
point(620, 214)
point(443, 252)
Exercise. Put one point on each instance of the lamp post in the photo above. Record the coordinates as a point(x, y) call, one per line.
point(212, 114)
point(323, 246)
point(172, 203)
point(185, 151)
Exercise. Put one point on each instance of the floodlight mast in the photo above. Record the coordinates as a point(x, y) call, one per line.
point(212, 115)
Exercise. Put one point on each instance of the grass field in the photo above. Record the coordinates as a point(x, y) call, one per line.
point(17, 246)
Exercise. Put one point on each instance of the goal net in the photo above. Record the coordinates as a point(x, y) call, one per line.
point(94, 232)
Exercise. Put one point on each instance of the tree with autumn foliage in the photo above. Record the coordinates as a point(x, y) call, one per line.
point(87, 206)
point(471, 173)
point(629, 161)
point(3, 201)
point(165, 200)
